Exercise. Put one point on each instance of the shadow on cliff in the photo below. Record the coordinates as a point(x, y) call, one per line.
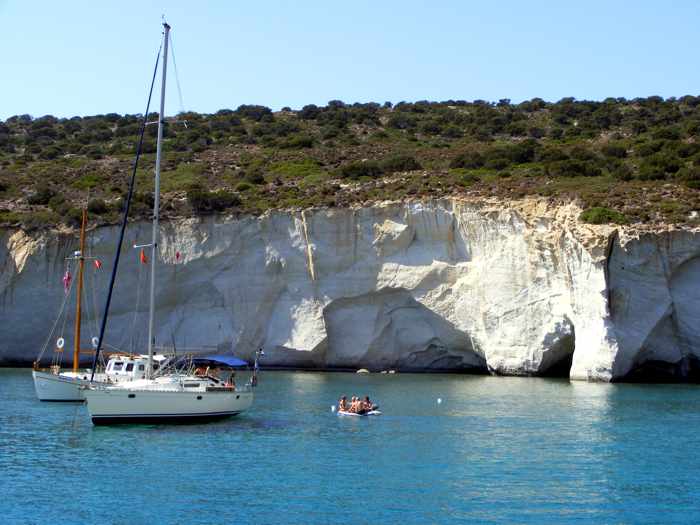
point(389, 329)
point(670, 352)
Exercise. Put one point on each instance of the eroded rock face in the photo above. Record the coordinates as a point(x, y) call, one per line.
point(510, 288)
point(655, 305)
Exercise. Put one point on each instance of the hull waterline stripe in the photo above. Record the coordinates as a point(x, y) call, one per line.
point(193, 414)
point(116, 420)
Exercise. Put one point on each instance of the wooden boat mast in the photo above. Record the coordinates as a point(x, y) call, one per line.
point(78, 302)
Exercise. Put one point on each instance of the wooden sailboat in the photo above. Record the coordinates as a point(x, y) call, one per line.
point(57, 384)
point(177, 393)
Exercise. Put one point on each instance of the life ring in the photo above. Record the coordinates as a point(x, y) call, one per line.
point(95, 342)
point(60, 342)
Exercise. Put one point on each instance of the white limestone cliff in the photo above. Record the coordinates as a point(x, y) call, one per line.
point(516, 288)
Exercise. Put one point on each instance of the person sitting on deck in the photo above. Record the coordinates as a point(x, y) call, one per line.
point(367, 404)
point(343, 404)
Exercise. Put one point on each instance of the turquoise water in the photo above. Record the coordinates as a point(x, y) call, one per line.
point(496, 450)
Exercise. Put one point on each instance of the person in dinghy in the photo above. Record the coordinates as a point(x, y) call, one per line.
point(356, 405)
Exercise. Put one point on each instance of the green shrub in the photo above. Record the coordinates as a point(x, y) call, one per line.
point(551, 154)
point(572, 168)
point(646, 149)
point(582, 153)
point(649, 172)
point(50, 152)
point(254, 176)
point(309, 112)
point(297, 170)
point(89, 181)
point(58, 204)
point(254, 112)
point(516, 129)
point(498, 163)
point(621, 171)
point(243, 186)
point(614, 150)
point(665, 162)
point(144, 197)
point(97, 207)
point(688, 150)
point(203, 201)
point(430, 127)
point(297, 142)
point(72, 217)
point(601, 215)
point(329, 132)
point(468, 160)
point(41, 196)
point(93, 151)
point(401, 162)
point(39, 219)
point(468, 179)
point(185, 175)
point(669, 133)
point(452, 132)
point(690, 177)
point(10, 217)
point(402, 121)
point(355, 170)
point(536, 132)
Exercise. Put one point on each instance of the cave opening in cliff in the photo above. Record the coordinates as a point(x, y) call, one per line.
point(687, 370)
point(557, 360)
point(561, 368)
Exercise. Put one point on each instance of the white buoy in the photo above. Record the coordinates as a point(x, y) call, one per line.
point(439, 400)
point(332, 408)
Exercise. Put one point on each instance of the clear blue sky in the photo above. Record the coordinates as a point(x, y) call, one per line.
point(87, 57)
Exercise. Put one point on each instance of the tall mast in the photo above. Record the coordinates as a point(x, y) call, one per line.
point(156, 205)
point(78, 302)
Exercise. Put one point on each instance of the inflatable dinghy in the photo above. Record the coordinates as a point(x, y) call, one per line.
point(370, 413)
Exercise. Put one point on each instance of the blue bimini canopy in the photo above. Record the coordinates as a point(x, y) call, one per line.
point(219, 360)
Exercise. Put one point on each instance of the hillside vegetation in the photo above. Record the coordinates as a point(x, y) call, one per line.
point(626, 161)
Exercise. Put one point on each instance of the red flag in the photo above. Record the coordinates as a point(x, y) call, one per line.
point(67, 278)
point(143, 257)
point(98, 264)
point(177, 256)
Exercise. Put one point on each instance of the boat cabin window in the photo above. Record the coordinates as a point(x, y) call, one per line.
point(129, 367)
point(117, 366)
point(142, 368)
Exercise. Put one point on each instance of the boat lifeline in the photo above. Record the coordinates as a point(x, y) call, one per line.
point(177, 393)
point(180, 394)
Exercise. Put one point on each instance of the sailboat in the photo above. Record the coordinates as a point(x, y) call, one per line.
point(178, 392)
point(57, 384)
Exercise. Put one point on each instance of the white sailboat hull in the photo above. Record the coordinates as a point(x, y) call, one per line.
point(59, 387)
point(108, 406)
